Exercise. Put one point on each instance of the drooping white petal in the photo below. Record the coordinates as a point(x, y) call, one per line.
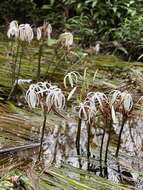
point(66, 39)
point(72, 78)
point(45, 93)
point(13, 24)
point(71, 93)
point(97, 97)
point(49, 30)
point(128, 102)
point(31, 98)
point(82, 113)
point(97, 48)
point(86, 111)
point(28, 33)
point(113, 115)
point(25, 32)
point(13, 29)
point(115, 95)
point(39, 33)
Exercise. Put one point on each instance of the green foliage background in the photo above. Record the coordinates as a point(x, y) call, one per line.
point(90, 20)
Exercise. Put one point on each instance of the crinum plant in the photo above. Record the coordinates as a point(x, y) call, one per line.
point(74, 80)
point(122, 102)
point(107, 107)
point(71, 79)
point(104, 110)
point(86, 112)
point(21, 34)
point(49, 98)
point(66, 40)
point(86, 109)
point(63, 50)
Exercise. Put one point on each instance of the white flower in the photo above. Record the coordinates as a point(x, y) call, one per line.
point(55, 98)
point(31, 96)
point(97, 48)
point(72, 78)
point(66, 39)
point(124, 98)
point(42, 88)
point(127, 101)
point(25, 32)
point(49, 30)
point(82, 113)
point(13, 29)
point(86, 110)
point(46, 94)
point(113, 114)
point(97, 97)
point(44, 31)
point(92, 111)
point(114, 96)
point(39, 33)
point(28, 33)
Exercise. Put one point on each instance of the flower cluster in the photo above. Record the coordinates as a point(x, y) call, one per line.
point(44, 31)
point(71, 78)
point(43, 93)
point(66, 39)
point(24, 32)
point(117, 101)
point(122, 101)
point(88, 109)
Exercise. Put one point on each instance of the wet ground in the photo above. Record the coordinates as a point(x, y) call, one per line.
point(19, 145)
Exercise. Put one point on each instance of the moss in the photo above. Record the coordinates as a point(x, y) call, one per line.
point(54, 67)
